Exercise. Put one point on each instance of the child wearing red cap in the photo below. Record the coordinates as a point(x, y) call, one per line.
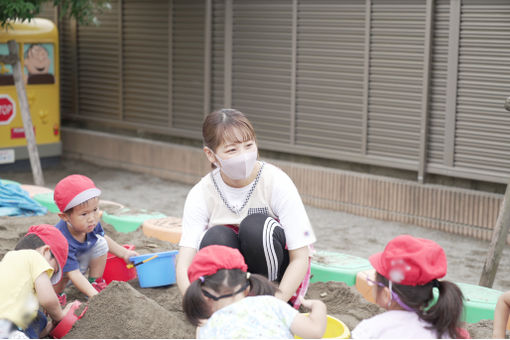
point(227, 302)
point(28, 275)
point(407, 271)
point(77, 197)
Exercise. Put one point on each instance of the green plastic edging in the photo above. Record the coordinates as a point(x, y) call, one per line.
point(8, 181)
point(46, 200)
point(128, 223)
point(479, 302)
point(332, 266)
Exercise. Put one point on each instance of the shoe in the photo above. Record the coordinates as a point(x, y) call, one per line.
point(62, 298)
point(99, 284)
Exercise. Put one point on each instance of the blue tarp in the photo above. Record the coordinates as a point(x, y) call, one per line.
point(15, 201)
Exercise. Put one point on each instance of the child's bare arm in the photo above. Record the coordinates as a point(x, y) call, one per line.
point(47, 297)
point(118, 250)
point(501, 316)
point(81, 283)
point(310, 326)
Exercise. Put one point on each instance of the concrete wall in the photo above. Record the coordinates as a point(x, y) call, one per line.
point(460, 211)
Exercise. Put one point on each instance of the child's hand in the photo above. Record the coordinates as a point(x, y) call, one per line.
point(128, 254)
point(305, 303)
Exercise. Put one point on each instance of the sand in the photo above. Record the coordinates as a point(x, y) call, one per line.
point(128, 311)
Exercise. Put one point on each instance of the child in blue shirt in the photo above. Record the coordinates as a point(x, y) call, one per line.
point(77, 197)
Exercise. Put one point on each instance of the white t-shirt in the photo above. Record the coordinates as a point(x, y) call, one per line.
point(275, 194)
point(254, 317)
point(397, 324)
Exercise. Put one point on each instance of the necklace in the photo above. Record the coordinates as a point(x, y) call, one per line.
point(231, 208)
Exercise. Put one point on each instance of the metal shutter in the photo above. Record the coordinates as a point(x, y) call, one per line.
point(330, 74)
point(68, 81)
point(217, 55)
point(99, 66)
point(261, 65)
point(48, 11)
point(396, 69)
point(483, 126)
point(438, 77)
point(188, 64)
point(145, 61)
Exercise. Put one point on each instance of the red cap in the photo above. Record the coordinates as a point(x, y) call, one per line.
point(210, 259)
point(74, 190)
point(411, 261)
point(57, 242)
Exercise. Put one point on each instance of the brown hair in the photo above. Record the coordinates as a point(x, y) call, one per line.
point(226, 125)
point(223, 281)
point(444, 315)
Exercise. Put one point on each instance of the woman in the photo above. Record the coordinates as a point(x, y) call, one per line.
point(246, 204)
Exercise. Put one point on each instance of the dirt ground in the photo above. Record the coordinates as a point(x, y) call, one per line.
point(128, 311)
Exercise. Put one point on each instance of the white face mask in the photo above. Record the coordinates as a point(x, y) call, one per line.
point(239, 166)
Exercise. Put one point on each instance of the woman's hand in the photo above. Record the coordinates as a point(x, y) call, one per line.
point(294, 274)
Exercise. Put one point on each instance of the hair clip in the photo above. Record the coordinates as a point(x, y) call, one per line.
point(201, 278)
point(248, 274)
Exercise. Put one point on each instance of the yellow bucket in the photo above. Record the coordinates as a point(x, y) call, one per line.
point(335, 329)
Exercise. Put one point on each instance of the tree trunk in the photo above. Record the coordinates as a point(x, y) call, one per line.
point(33, 153)
point(499, 239)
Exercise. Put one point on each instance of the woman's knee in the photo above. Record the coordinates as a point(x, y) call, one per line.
point(220, 235)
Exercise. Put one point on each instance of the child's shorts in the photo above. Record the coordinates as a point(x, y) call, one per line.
point(99, 249)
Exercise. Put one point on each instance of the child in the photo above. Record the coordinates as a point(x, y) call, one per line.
point(28, 275)
point(501, 316)
point(246, 204)
point(238, 304)
point(78, 200)
point(407, 271)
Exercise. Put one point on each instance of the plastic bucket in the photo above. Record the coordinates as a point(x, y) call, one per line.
point(159, 271)
point(65, 325)
point(116, 270)
point(335, 329)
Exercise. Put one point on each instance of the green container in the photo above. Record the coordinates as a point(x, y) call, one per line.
point(125, 222)
point(332, 266)
point(479, 302)
point(46, 200)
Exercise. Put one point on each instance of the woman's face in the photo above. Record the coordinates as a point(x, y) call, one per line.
point(229, 149)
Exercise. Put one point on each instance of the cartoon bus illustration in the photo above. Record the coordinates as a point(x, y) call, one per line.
point(38, 50)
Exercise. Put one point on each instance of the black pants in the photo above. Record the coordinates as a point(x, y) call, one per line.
point(261, 240)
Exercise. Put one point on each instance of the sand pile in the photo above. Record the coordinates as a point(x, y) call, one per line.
point(122, 312)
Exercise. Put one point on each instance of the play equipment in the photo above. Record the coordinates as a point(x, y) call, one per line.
point(332, 266)
point(65, 325)
point(362, 285)
point(125, 222)
point(116, 270)
point(35, 189)
point(159, 271)
point(38, 49)
point(46, 200)
point(335, 329)
point(165, 229)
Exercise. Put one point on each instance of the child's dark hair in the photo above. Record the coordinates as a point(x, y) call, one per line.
point(225, 281)
point(445, 315)
point(30, 241)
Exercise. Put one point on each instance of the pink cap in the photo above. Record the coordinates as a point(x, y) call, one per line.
point(74, 190)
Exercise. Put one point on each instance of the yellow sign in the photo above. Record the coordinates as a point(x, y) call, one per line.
point(38, 50)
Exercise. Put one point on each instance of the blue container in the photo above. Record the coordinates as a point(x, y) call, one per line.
point(159, 271)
